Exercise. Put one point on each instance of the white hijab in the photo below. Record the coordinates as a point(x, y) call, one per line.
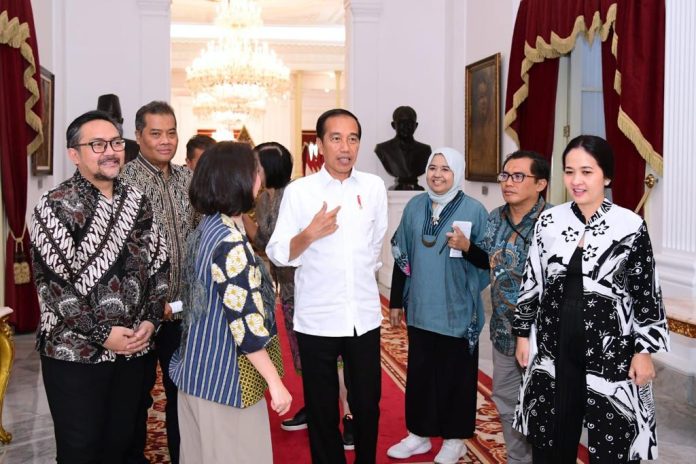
point(456, 163)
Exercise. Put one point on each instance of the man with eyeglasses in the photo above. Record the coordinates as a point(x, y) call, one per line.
point(101, 272)
point(166, 185)
point(509, 232)
point(330, 227)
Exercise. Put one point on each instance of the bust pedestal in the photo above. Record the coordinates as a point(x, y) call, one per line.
point(396, 200)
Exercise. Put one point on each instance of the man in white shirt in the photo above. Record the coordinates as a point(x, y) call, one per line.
point(330, 227)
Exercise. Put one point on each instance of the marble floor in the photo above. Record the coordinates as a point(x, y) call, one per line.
point(27, 417)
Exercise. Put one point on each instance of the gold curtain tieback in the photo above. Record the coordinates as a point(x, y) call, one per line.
point(21, 265)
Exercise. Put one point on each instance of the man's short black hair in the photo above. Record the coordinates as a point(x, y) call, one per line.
point(598, 148)
point(276, 161)
point(72, 135)
point(198, 142)
point(321, 122)
point(223, 181)
point(154, 107)
point(540, 166)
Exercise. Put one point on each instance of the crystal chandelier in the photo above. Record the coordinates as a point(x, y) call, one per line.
point(236, 74)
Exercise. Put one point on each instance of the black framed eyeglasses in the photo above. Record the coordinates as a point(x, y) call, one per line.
point(99, 146)
point(517, 177)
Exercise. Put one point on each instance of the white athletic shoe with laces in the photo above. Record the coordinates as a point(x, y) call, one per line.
point(452, 450)
point(412, 444)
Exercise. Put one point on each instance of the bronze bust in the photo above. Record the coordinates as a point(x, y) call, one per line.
point(110, 104)
point(403, 157)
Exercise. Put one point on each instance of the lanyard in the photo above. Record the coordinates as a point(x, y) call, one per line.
point(525, 237)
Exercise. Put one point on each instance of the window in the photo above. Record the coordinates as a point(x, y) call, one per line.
point(579, 105)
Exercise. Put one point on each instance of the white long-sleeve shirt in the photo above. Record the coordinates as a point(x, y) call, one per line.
point(335, 286)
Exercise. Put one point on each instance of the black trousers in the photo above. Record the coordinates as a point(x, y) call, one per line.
point(363, 372)
point(441, 381)
point(94, 407)
point(167, 341)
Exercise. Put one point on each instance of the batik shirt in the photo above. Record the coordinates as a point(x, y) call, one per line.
point(507, 248)
point(98, 263)
point(623, 314)
point(172, 207)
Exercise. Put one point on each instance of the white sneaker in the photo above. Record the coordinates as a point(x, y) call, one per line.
point(412, 444)
point(452, 450)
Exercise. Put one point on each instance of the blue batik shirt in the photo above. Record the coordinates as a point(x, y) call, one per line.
point(507, 247)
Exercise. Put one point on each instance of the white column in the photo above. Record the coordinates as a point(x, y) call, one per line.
point(672, 207)
point(396, 203)
point(676, 258)
point(362, 65)
point(155, 59)
point(337, 78)
point(297, 120)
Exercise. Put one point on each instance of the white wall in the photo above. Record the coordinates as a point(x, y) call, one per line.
point(96, 47)
point(401, 52)
point(489, 26)
point(397, 58)
point(49, 23)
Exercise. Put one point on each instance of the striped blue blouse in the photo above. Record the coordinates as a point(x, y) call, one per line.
point(224, 317)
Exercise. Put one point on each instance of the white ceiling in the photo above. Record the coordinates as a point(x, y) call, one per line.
point(302, 32)
point(274, 12)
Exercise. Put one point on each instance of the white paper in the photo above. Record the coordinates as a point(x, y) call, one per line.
point(465, 227)
point(177, 306)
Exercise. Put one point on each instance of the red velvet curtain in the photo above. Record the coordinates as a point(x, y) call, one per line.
point(544, 30)
point(17, 140)
point(634, 121)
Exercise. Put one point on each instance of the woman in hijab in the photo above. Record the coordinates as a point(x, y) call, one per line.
point(440, 292)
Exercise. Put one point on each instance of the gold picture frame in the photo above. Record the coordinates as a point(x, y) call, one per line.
point(483, 119)
point(42, 159)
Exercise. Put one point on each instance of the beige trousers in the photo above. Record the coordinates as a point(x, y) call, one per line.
point(213, 433)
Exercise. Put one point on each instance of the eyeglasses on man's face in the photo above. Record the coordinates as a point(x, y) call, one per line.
point(99, 146)
point(517, 177)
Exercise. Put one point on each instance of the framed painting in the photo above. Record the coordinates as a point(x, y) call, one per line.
point(483, 119)
point(42, 159)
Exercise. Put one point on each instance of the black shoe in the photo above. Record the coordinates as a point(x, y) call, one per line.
point(348, 443)
point(299, 422)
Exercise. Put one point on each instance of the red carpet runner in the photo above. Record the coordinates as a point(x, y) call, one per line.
point(293, 447)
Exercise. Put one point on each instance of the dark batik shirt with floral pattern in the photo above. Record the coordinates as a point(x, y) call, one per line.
point(507, 249)
point(98, 263)
point(172, 207)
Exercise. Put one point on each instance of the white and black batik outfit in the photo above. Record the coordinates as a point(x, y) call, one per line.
point(98, 263)
point(621, 313)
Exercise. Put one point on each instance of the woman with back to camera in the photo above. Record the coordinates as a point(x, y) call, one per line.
point(441, 296)
point(276, 164)
point(229, 351)
point(589, 315)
